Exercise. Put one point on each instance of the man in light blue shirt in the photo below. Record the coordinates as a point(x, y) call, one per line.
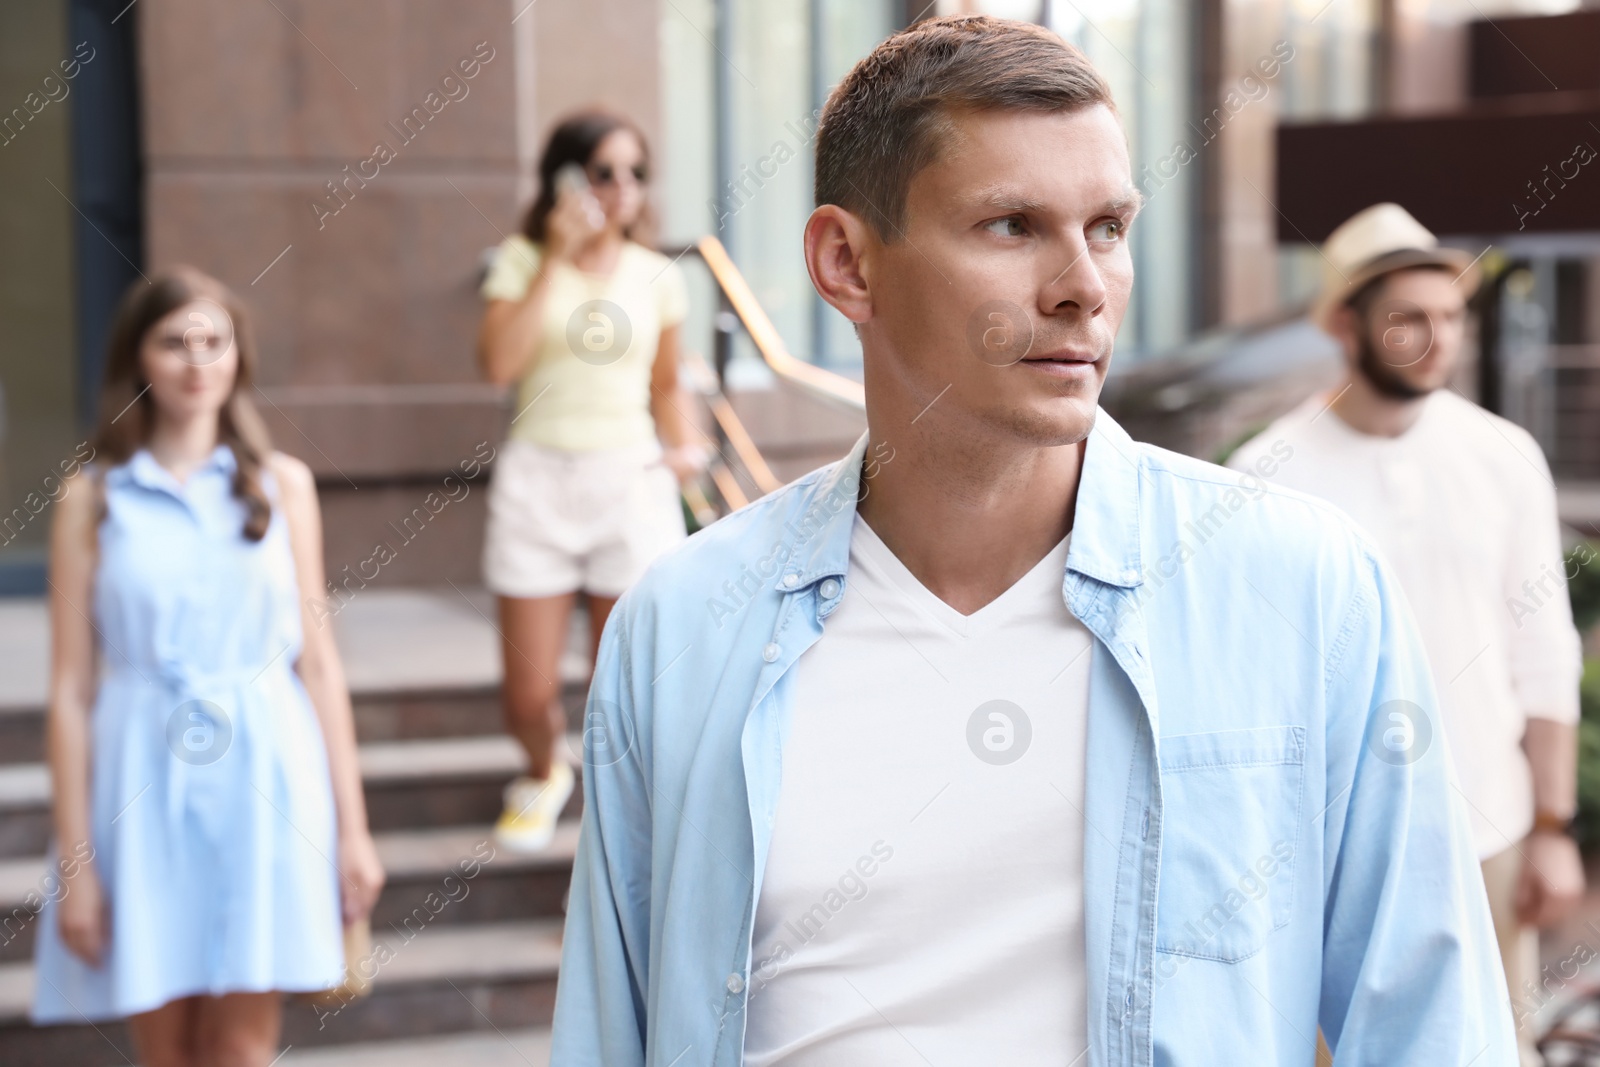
point(1268, 841)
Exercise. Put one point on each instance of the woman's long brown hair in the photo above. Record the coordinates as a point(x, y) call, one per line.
point(127, 410)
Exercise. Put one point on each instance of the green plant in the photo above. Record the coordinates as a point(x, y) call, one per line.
point(1586, 828)
point(1583, 587)
point(1583, 583)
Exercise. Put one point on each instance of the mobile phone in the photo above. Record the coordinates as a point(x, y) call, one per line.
point(571, 179)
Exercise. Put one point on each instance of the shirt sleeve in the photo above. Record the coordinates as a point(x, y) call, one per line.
point(1411, 971)
point(600, 1016)
point(1546, 652)
point(672, 296)
point(516, 262)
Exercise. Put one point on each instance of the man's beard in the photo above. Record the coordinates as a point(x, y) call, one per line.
point(1382, 375)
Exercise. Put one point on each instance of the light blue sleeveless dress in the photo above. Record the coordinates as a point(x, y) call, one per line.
point(211, 808)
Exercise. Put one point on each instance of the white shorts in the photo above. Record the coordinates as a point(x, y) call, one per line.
point(563, 521)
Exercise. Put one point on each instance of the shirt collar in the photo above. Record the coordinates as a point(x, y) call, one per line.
point(1105, 531)
point(144, 470)
point(819, 534)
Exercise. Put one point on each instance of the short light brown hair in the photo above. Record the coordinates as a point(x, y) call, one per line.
point(883, 123)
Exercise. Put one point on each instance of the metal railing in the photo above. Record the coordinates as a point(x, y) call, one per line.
point(1553, 391)
point(738, 299)
point(1575, 387)
point(738, 468)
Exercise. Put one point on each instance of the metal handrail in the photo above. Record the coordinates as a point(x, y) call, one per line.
point(741, 300)
point(739, 305)
point(733, 432)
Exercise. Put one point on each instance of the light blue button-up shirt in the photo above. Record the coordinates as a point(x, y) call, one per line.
point(1274, 840)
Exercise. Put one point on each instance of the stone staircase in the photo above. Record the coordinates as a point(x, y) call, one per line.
point(471, 968)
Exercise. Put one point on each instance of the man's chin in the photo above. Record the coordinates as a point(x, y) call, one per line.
point(1396, 387)
point(1431, 383)
point(1064, 420)
point(1411, 383)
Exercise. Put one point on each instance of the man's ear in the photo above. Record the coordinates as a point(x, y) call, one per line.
point(835, 241)
point(1346, 326)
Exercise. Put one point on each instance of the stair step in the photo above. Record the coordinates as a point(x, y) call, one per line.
point(471, 978)
point(427, 869)
point(412, 714)
point(24, 809)
point(414, 854)
point(432, 873)
point(505, 1048)
point(21, 734)
point(419, 662)
point(384, 762)
point(445, 980)
point(445, 782)
point(23, 888)
point(452, 781)
point(380, 715)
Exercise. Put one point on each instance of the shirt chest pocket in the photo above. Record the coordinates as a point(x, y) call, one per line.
point(1230, 833)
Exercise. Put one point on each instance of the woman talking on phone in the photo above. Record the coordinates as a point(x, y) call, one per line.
point(584, 319)
point(201, 750)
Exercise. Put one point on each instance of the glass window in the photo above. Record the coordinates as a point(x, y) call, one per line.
point(781, 59)
point(1143, 48)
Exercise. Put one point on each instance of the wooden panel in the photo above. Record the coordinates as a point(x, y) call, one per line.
point(1535, 55)
point(1497, 169)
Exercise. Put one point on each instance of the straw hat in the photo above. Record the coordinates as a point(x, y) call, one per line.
point(1380, 239)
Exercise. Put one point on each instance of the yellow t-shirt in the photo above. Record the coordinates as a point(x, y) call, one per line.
point(588, 386)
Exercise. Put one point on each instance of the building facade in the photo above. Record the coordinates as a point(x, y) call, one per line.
point(346, 167)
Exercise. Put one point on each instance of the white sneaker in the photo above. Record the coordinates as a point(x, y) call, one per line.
point(533, 805)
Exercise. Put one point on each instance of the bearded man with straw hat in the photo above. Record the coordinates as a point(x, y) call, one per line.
point(1462, 504)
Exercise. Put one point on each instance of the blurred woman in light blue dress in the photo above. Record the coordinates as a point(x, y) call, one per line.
point(209, 823)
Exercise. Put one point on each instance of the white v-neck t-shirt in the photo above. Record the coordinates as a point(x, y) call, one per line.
point(923, 895)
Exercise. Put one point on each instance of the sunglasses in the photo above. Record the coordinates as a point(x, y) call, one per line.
point(606, 174)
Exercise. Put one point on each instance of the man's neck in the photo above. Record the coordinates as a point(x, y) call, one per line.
point(970, 518)
point(1364, 409)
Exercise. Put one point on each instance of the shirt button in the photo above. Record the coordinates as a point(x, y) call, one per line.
point(830, 588)
point(770, 653)
point(791, 580)
point(735, 983)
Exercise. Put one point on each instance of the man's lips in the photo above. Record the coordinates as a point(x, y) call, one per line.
point(1062, 355)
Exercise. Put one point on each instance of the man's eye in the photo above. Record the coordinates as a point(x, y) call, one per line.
point(1010, 226)
point(1109, 230)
